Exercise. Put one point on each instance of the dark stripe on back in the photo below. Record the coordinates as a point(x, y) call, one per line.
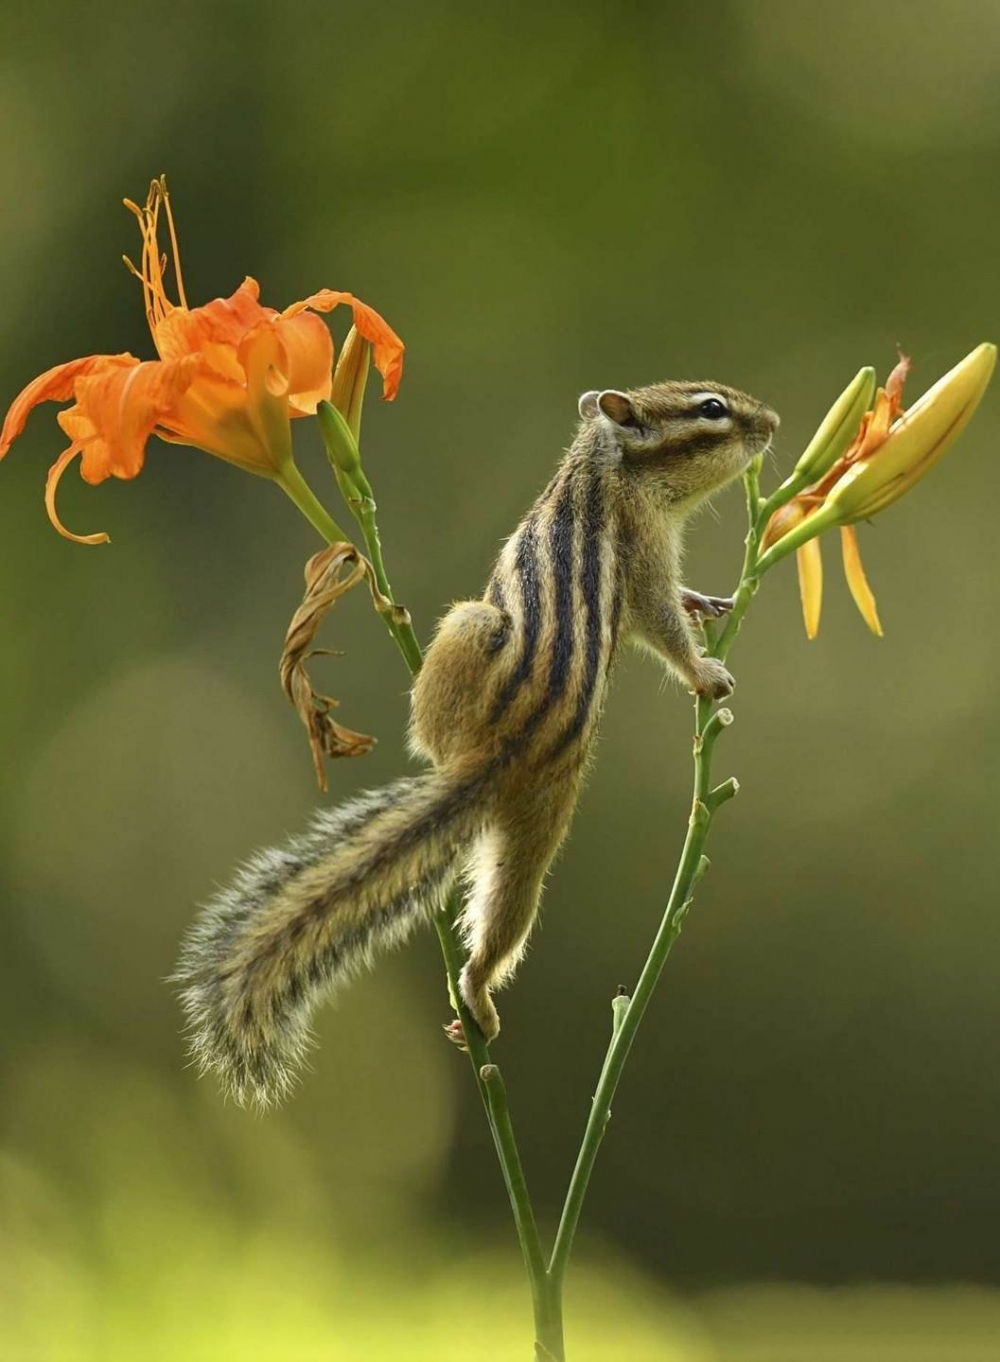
point(590, 585)
point(616, 604)
point(526, 570)
point(495, 595)
point(561, 533)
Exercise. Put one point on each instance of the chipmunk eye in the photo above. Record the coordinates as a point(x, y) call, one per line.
point(712, 409)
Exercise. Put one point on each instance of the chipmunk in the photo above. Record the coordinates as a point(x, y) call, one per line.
point(506, 708)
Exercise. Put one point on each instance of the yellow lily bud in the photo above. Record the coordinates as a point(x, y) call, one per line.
point(350, 378)
point(888, 457)
point(837, 429)
point(915, 442)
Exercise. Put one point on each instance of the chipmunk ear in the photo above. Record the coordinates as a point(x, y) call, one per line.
point(587, 404)
point(616, 407)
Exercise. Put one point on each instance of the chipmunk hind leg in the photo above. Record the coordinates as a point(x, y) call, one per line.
point(452, 695)
point(507, 872)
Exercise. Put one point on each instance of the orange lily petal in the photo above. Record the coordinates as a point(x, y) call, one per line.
point(864, 598)
point(55, 385)
point(51, 483)
point(387, 348)
point(809, 560)
point(214, 330)
point(876, 428)
point(117, 411)
point(785, 518)
point(308, 348)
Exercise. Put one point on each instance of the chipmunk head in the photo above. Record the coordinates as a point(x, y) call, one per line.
point(691, 437)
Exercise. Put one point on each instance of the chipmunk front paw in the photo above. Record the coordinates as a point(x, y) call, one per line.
point(455, 1032)
point(713, 681)
point(711, 607)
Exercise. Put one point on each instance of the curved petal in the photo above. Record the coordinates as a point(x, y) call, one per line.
point(55, 385)
point(214, 331)
point(308, 348)
point(854, 570)
point(809, 559)
point(116, 412)
point(387, 348)
point(51, 483)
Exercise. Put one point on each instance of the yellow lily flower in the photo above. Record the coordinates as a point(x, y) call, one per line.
point(891, 452)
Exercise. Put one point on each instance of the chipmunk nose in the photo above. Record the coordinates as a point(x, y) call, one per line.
point(769, 418)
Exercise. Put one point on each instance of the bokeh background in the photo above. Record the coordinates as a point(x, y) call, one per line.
point(803, 1158)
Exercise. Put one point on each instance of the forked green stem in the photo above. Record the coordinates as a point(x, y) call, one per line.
point(692, 866)
point(546, 1279)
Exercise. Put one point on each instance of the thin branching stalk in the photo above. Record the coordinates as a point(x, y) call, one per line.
point(546, 1279)
point(706, 802)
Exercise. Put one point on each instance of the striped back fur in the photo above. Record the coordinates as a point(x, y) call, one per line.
point(565, 612)
point(520, 679)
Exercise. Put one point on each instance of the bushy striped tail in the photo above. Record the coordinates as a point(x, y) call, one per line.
point(300, 919)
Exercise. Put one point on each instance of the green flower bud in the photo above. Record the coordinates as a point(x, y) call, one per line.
point(339, 439)
point(350, 378)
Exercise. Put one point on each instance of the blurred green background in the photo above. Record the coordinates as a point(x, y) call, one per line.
point(803, 1158)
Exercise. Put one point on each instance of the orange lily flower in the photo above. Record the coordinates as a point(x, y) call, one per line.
point(230, 377)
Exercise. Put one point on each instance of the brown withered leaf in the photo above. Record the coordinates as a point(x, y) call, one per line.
point(329, 574)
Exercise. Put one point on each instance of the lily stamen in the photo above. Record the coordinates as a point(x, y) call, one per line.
point(178, 277)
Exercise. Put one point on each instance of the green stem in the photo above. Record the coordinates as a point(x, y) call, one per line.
point(357, 492)
point(691, 867)
point(546, 1304)
point(706, 802)
point(517, 1187)
point(547, 1308)
point(757, 517)
point(406, 639)
point(294, 485)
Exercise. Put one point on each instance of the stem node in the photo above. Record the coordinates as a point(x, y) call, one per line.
point(700, 815)
point(723, 793)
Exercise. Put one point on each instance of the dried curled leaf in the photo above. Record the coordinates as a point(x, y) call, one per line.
point(329, 574)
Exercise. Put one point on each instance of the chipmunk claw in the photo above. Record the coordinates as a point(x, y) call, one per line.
point(710, 606)
point(455, 1032)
